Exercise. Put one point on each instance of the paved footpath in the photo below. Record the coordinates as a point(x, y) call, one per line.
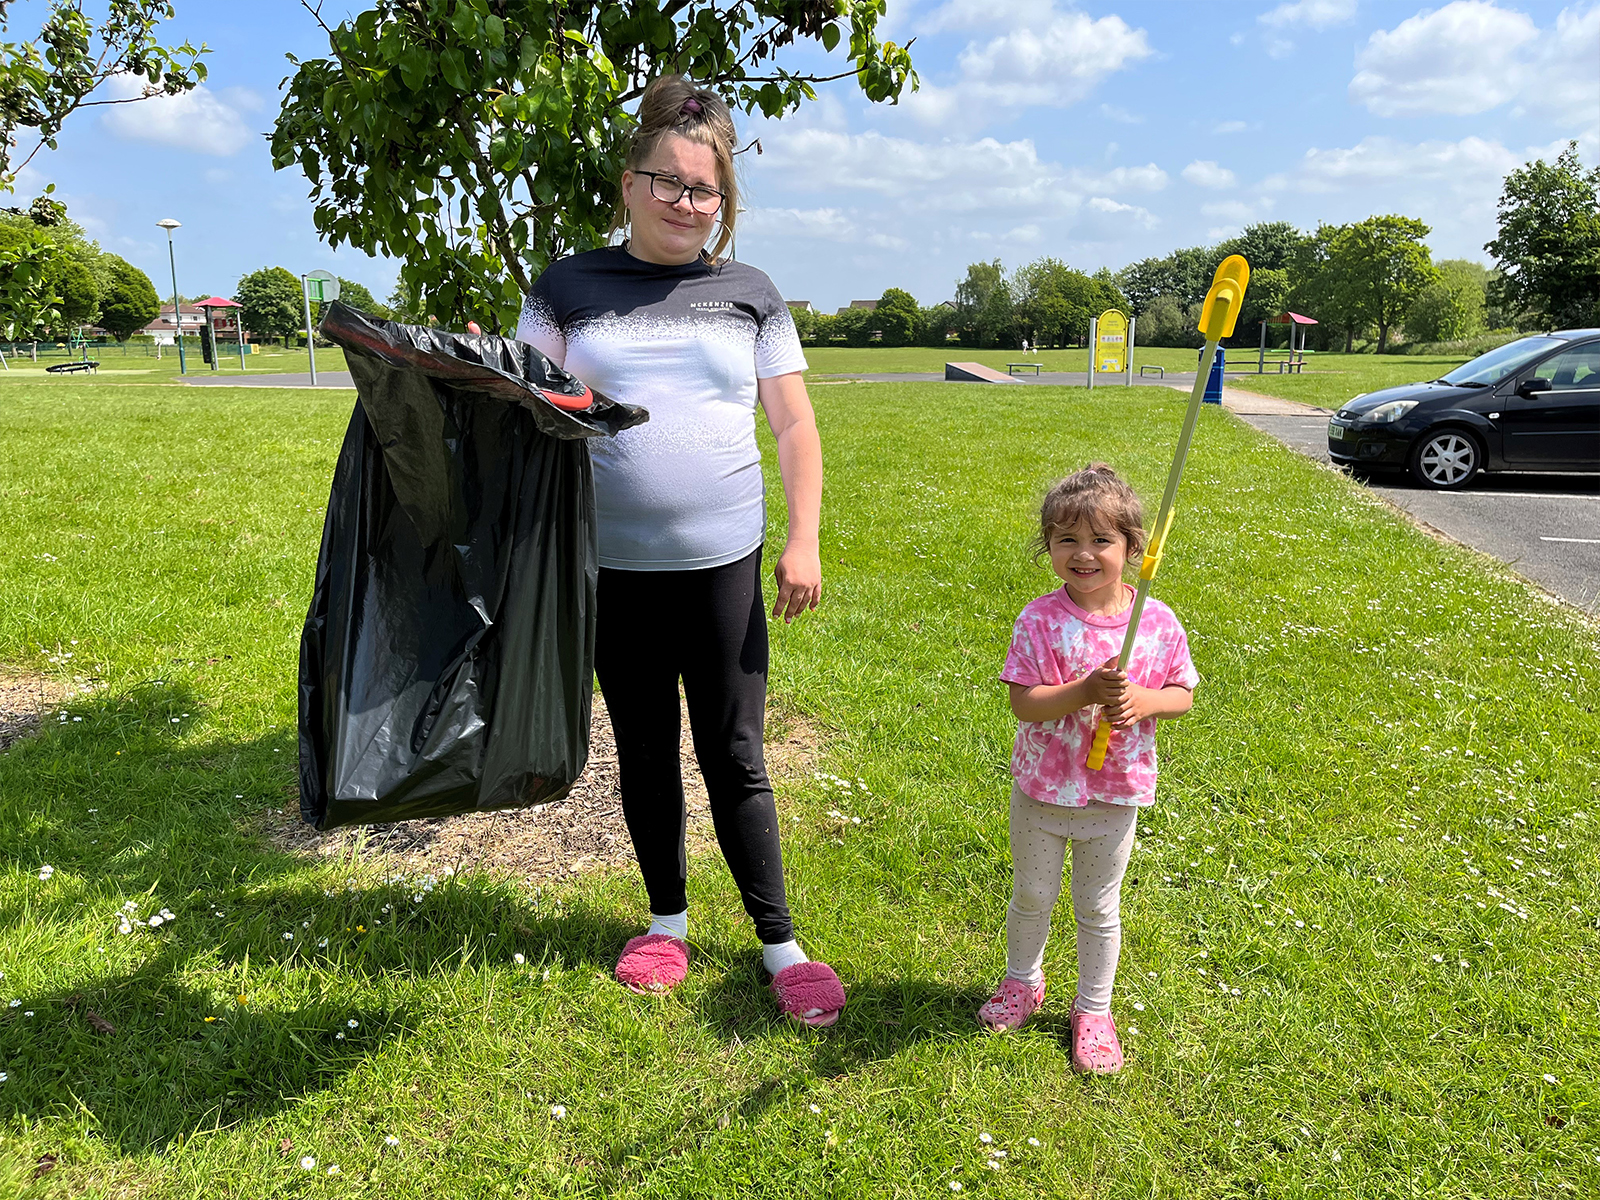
point(325, 379)
point(1546, 526)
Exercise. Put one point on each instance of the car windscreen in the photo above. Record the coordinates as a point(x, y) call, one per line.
point(1489, 369)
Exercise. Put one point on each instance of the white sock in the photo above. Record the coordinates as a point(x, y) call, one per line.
point(778, 955)
point(677, 925)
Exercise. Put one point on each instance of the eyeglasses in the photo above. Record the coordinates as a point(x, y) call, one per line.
point(669, 189)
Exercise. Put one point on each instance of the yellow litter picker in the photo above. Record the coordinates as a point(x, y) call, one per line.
point(1217, 318)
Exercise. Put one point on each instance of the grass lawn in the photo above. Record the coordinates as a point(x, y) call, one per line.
point(1329, 380)
point(269, 360)
point(1361, 952)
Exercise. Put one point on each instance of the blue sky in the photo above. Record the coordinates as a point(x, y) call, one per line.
point(1098, 133)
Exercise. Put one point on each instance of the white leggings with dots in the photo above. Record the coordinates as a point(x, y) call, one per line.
point(1102, 839)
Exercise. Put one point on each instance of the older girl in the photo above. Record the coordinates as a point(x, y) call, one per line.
point(665, 322)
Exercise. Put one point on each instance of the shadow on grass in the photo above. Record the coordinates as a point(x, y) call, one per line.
point(881, 1018)
point(137, 820)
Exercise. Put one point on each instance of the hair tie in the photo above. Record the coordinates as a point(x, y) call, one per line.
point(690, 108)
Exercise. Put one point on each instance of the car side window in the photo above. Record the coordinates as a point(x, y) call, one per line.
point(1571, 369)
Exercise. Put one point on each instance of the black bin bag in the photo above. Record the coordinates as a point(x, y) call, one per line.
point(447, 658)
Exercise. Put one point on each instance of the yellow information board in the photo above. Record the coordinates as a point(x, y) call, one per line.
point(1111, 343)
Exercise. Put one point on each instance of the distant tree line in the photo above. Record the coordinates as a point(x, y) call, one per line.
point(54, 279)
point(272, 301)
point(1375, 279)
point(1372, 282)
point(1045, 302)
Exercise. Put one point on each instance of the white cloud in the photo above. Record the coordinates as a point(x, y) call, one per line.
point(1230, 127)
point(1472, 164)
point(1462, 59)
point(1148, 178)
point(1286, 19)
point(1309, 14)
point(822, 224)
point(953, 176)
point(1207, 174)
point(197, 120)
point(1048, 59)
point(1143, 216)
point(1112, 113)
point(1564, 76)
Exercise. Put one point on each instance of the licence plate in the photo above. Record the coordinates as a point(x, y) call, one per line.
point(1336, 432)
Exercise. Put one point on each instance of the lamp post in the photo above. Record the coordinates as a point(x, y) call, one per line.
point(177, 314)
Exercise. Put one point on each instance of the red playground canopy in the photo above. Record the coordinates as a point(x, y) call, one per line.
point(1290, 318)
point(216, 302)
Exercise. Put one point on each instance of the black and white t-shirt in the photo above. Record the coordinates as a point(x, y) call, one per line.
point(684, 490)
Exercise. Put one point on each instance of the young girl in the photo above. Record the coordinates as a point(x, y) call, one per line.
point(1062, 670)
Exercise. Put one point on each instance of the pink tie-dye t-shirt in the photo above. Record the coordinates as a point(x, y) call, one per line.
point(1055, 642)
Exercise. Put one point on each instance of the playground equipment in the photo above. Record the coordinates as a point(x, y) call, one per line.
point(211, 305)
point(1111, 346)
point(1217, 319)
point(321, 286)
point(1296, 360)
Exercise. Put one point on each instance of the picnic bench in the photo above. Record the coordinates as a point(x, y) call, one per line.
point(1013, 368)
point(68, 368)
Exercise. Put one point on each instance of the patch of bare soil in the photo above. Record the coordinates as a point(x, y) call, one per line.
point(582, 832)
point(24, 699)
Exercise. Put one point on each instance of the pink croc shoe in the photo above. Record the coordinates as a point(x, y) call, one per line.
point(1095, 1048)
point(653, 964)
point(810, 993)
point(1011, 1005)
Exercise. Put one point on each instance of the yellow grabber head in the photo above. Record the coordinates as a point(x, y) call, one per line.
point(1226, 297)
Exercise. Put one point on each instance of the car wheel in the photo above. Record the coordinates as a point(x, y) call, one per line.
point(1446, 459)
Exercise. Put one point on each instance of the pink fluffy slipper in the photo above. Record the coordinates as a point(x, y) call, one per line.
point(653, 963)
point(809, 987)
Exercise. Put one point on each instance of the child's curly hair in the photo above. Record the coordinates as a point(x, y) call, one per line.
point(1099, 496)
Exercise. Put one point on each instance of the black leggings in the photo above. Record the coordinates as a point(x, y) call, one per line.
point(708, 627)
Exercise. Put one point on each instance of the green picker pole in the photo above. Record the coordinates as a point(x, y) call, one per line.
point(1217, 319)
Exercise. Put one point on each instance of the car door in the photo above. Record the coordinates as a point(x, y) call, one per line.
point(1556, 425)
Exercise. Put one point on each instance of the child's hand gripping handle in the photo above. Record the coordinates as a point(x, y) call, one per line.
point(1152, 563)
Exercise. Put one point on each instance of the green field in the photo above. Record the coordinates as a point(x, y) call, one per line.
point(269, 360)
point(1329, 380)
point(1361, 955)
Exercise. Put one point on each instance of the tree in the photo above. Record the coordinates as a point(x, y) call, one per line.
point(357, 296)
point(1166, 321)
point(984, 306)
point(43, 82)
point(1266, 246)
point(28, 264)
point(1054, 303)
point(1548, 247)
point(273, 302)
point(1184, 274)
point(76, 274)
point(1375, 269)
point(897, 314)
point(1452, 306)
point(129, 303)
point(475, 141)
point(80, 293)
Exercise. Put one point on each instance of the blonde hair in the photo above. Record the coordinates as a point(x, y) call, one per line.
point(1098, 495)
point(673, 104)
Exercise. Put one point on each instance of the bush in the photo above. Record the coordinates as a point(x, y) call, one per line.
point(1451, 308)
point(1465, 347)
point(1167, 321)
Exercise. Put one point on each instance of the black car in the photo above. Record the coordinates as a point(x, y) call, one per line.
point(1530, 405)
